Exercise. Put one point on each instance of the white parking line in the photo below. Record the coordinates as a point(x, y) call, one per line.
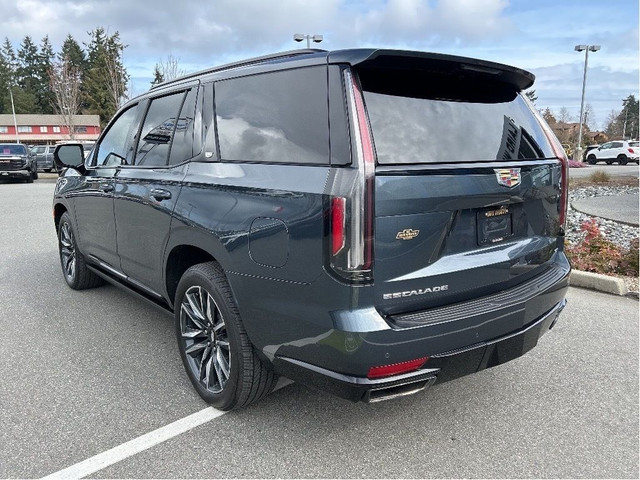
point(137, 445)
point(144, 442)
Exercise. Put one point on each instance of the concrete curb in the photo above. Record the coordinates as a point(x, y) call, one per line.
point(599, 282)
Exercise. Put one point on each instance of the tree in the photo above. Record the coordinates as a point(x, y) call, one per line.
point(169, 68)
point(65, 82)
point(589, 119)
point(531, 95)
point(26, 77)
point(564, 116)
point(105, 80)
point(547, 114)
point(7, 71)
point(44, 96)
point(158, 78)
point(624, 124)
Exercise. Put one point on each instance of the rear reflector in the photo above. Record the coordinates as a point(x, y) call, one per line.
point(338, 215)
point(396, 368)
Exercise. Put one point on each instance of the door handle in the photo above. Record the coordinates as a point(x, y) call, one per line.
point(160, 194)
point(106, 187)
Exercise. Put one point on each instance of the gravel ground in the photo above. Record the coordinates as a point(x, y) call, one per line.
point(618, 233)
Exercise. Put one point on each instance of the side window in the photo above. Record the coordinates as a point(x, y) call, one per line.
point(278, 117)
point(37, 150)
point(158, 129)
point(182, 148)
point(616, 145)
point(112, 149)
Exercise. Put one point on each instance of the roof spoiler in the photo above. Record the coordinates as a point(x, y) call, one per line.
point(450, 64)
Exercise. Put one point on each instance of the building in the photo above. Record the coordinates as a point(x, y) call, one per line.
point(47, 129)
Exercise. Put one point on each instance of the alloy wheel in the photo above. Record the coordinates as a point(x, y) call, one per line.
point(205, 340)
point(67, 251)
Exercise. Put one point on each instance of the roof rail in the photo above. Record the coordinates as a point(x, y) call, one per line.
point(242, 63)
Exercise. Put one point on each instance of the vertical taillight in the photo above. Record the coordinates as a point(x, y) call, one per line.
point(560, 155)
point(350, 190)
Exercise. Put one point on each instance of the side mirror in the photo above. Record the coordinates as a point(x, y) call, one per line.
point(68, 155)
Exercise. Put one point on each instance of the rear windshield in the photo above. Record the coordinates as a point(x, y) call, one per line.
point(13, 149)
point(633, 144)
point(425, 117)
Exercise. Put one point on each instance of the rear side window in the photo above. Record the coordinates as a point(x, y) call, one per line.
point(425, 117)
point(278, 117)
point(158, 130)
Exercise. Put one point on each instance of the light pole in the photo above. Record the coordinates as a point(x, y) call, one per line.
point(13, 110)
point(586, 49)
point(298, 37)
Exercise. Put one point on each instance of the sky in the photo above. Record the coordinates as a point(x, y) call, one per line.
point(536, 35)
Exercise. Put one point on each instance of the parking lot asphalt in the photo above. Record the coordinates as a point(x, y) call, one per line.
point(629, 170)
point(83, 372)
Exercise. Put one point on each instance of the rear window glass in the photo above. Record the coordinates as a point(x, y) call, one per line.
point(633, 144)
point(15, 149)
point(422, 117)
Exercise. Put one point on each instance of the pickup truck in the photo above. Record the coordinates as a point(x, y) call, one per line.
point(44, 157)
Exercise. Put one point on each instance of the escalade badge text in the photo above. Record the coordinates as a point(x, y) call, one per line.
point(407, 234)
point(509, 177)
point(411, 293)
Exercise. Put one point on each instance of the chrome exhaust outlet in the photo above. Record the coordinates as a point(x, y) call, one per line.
point(395, 391)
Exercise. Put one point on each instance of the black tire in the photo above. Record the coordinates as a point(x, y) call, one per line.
point(622, 159)
point(29, 178)
point(47, 170)
point(217, 339)
point(35, 174)
point(591, 160)
point(74, 266)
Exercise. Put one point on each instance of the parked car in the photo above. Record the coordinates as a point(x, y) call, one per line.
point(44, 157)
point(621, 151)
point(16, 162)
point(587, 149)
point(305, 216)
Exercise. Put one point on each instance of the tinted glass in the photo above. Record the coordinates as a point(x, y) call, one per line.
point(112, 149)
point(158, 129)
point(14, 149)
point(279, 117)
point(421, 117)
point(616, 145)
point(37, 150)
point(633, 144)
point(182, 148)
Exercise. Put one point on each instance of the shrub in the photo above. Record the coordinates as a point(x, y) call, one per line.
point(574, 164)
point(597, 254)
point(600, 176)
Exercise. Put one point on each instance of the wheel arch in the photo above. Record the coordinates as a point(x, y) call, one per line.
point(58, 210)
point(179, 260)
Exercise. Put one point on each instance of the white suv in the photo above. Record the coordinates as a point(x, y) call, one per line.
point(621, 151)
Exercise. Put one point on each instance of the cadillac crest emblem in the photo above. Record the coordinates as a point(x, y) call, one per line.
point(509, 177)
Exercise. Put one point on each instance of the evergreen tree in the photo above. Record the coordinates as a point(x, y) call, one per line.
point(44, 95)
point(158, 78)
point(25, 97)
point(6, 76)
point(105, 79)
point(72, 54)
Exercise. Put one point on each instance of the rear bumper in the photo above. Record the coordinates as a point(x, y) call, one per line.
point(439, 368)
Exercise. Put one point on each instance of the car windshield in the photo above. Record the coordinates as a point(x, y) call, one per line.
point(12, 149)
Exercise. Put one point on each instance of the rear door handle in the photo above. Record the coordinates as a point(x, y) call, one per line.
point(106, 187)
point(160, 194)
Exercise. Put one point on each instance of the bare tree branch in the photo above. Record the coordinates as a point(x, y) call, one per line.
point(169, 68)
point(65, 80)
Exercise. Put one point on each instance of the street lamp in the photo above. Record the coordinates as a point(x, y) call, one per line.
point(586, 49)
point(298, 37)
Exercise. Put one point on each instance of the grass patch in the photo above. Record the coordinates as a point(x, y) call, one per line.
point(600, 176)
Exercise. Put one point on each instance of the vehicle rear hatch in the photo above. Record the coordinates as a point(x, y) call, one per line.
point(468, 190)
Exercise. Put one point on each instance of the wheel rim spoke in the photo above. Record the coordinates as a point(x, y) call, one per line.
point(205, 340)
point(67, 251)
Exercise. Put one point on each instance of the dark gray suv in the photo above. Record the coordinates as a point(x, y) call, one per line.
point(367, 222)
